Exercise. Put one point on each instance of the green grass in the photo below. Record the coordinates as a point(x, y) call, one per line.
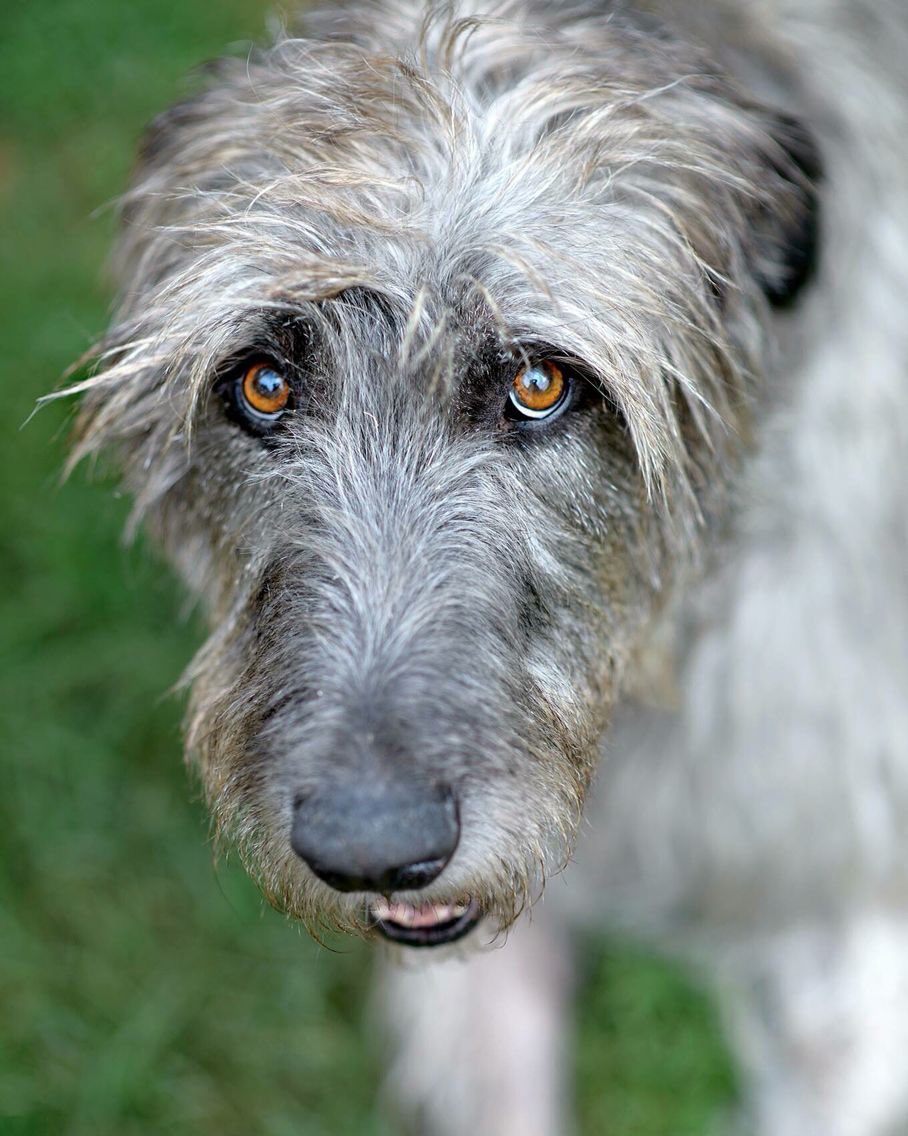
point(142, 989)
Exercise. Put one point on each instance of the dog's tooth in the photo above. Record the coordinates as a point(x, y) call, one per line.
point(417, 916)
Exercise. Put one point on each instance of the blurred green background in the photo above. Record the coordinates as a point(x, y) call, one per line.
point(142, 988)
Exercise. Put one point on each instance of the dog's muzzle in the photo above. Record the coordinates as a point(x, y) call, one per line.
point(386, 838)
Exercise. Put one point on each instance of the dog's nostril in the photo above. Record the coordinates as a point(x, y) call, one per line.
point(415, 876)
point(406, 877)
point(379, 838)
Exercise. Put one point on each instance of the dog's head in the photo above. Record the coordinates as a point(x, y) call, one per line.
point(433, 354)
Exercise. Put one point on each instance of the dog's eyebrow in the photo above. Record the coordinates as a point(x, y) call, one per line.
point(268, 332)
point(370, 303)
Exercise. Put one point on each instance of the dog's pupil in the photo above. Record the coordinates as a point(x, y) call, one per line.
point(536, 380)
point(268, 384)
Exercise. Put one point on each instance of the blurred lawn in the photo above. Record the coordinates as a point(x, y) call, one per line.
point(141, 989)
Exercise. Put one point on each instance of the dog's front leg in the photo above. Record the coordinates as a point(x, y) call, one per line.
point(480, 1041)
point(819, 1013)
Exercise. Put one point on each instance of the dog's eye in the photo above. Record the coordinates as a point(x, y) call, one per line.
point(538, 390)
point(265, 392)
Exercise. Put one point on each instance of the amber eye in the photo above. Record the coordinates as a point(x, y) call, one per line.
point(265, 392)
point(538, 390)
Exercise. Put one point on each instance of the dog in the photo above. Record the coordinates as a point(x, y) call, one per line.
point(522, 389)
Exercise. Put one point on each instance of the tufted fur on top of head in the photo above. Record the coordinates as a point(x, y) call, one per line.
point(588, 180)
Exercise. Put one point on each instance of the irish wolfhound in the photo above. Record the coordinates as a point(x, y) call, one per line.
point(501, 374)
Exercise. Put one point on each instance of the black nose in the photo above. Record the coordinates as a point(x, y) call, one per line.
point(382, 838)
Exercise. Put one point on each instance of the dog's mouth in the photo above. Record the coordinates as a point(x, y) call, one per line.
point(425, 924)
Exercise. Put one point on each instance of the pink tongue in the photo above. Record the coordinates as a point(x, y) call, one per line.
point(426, 915)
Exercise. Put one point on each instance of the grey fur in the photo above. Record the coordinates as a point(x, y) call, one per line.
point(394, 206)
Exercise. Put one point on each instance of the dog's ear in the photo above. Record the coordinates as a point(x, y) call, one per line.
point(178, 161)
point(163, 137)
point(786, 234)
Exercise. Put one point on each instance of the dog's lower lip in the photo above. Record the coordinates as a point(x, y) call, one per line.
point(425, 925)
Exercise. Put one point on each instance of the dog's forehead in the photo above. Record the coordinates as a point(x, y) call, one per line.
point(581, 187)
point(479, 156)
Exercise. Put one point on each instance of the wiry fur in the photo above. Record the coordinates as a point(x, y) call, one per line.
point(395, 206)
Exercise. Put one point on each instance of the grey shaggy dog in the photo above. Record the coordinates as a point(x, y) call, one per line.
point(498, 375)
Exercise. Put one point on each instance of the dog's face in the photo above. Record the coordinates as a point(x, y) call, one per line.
point(425, 375)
